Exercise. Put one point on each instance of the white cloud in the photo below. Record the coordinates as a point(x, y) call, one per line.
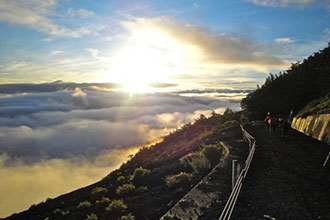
point(55, 52)
point(327, 32)
point(284, 40)
point(36, 14)
point(291, 3)
point(94, 52)
point(281, 3)
point(83, 13)
point(210, 46)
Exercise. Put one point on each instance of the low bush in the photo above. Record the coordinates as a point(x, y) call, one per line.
point(125, 189)
point(128, 217)
point(98, 190)
point(178, 179)
point(84, 204)
point(212, 153)
point(197, 162)
point(139, 175)
point(92, 216)
point(117, 206)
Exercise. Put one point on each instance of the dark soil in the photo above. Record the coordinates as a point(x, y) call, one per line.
point(286, 179)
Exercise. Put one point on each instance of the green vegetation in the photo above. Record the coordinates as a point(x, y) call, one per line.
point(128, 217)
point(178, 179)
point(212, 153)
point(139, 175)
point(197, 161)
point(92, 216)
point(98, 190)
point(125, 189)
point(316, 107)
point(84, 204)
point(292, 89)
point(117, 206)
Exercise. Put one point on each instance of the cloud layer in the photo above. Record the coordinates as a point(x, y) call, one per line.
point(83, 131)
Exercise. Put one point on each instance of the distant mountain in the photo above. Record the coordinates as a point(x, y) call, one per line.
point(293, 89)
point(151, 181)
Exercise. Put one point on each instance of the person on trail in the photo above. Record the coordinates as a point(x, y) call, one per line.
point(268, 122)
point(284, 124)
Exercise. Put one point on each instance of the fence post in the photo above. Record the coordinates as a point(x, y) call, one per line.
point(233, 176)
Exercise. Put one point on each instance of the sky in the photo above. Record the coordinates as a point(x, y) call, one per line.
point(193, 44)
point(84, 84)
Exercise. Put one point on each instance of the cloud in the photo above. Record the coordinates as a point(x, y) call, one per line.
point(55, 52)
point(94, 52)
point(327, 32)
point(36, 14)
point(83, 13)
point(71, 137)
point(291, 3)
point(281, 3)
point(23, 184)
point(212, 47)
point(284, 40)
point(52, 87)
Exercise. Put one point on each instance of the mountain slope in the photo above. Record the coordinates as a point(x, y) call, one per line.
point(292, 89)
point(148, 184)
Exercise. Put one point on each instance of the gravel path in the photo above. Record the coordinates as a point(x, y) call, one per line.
point(286, 179)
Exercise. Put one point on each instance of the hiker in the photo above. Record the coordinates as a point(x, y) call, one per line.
point(284, 126)
point(268, 122)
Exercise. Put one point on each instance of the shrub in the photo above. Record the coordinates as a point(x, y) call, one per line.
point(120, 178)
point(117, 206)
point(141, 190)
point(84, 204)
point(128, 217)
point(174, 180)
point(212, 153)
point(125, 189)
point(139, 175)
point(103, 200)
point(197, 162)
point(98, 190)
point(92, 216)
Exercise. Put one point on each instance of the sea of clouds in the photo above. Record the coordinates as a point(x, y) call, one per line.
point(58, 137)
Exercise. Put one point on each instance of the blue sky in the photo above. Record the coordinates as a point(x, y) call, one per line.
point(216, 43)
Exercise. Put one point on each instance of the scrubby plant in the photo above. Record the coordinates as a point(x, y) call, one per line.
point(103, 200)
point(98, 190)
point(117, 206)
point(125, 189)
point(121, 178)
point(197, 161)
point(139, 175)
point(212, 153)
point(92, 216)
point(175, 180)
point(128, 217)
point(84, 204)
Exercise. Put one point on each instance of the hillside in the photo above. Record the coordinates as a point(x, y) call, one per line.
point(150, 182)
point(316, 107)
point(293, 89)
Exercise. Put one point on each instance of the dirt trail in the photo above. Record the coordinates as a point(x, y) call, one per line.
point(286, 179)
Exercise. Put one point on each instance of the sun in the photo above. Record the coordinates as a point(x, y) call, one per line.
point(148, 57)
point(136, 68)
